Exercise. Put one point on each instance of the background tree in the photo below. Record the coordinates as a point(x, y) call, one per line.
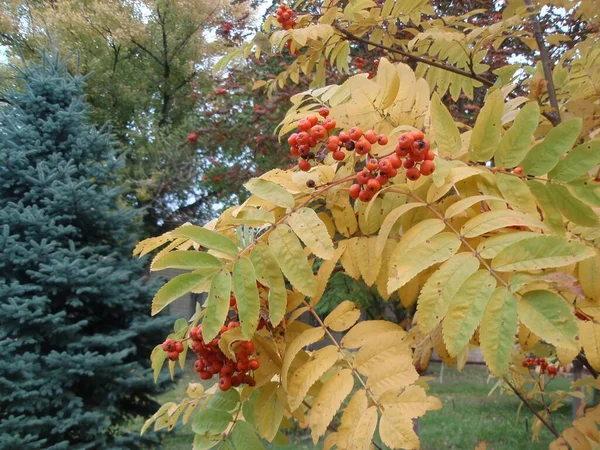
point(73, 315)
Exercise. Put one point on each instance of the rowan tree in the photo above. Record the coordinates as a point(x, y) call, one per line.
point(487, 230)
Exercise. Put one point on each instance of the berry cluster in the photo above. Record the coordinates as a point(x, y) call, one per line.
point(173, 349)
point(212, 361)
point(418, 156)
point(312, 131)
point(286, 17)
point(542, 364)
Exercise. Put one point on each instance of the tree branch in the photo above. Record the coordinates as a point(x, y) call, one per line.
point(152, 55)
point(416, 58)
point(583, 360)
point(545, 57)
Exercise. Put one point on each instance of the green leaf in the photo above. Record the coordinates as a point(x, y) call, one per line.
point(447, 135)
point(548, 316)
point(206, 441)
point(291, 258)
point(497, 330)
point(313, 232)
point(490, 247)
point(157, 359)
point(211, 421)
point(516, 192)
point(274, 279)
point(246, 294)
point(206, 238)
point(465, 203)
point(271, 192)
point(544, 156)
point(578, 162)
point(186, 260)
point(224, 400)
point(550, 212)
point(175, 288)
point(217, 305)
point(541, 252)
point(269, 414)
point(515, 143)
point(244, 437)
point(439, 289)
point(486, 132)
point(494, 220)
point(466, 310)
point(572, 208)
point(586, 189)
point(404, 267)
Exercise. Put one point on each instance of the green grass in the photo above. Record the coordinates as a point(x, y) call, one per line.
point(468, 416)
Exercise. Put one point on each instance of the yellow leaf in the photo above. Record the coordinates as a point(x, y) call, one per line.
point(360, 438)
point(389, 222)
point(376, 352)
point(397, 372)
point(343, 316)
point(175, 288)
point(303, 378)
point(328, 401)
point(527, 339)
point(494, 220)
point(273, 278)
point(308, 337)
point(396, 430)
point(588, 277)
point(590, 338)
point(455, 175)
point(571, 438)
point(389, 82)
point(363, 332)
point(325, 272)
point(446, 132)
point(411, 401)
point(488, 248)
point(516, 141)
point(349, 261)
point(291, 258)
point(246, 294)
point(462, 205)
point(486, 132)
point(352, 414)
point(271, 192)
point(269, 413)
point(331, 439)
point(343, 217)
point(367, 259)
point(313, 232)
point(419, 233)
point(516, 192)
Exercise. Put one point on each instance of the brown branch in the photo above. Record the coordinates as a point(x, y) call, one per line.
point(583, 360)
point(545, 57)
point(429, 62)
point(532, 409)
point(152, 55)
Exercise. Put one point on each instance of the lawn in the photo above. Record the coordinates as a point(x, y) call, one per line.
point(469, 416)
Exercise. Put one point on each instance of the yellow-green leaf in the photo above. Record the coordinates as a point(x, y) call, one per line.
point(515, 143)
point(550, 212)
point(549, 316)
point(328, 401)
point(397, 372)
point(466, 310)
point(447, 136)
point(545, 155)
point(411, 402)
point(175, 288)
point(541, 252)
point(291, 258)
point(343, 316)
point(157, 359)
point(441, 287)
point(362, 332)
point(274, 279)
point(269, 413)
point(313, 232)
point(516, 192)
point(211, 421)
point(246, 294)
point(217, 305)
point(366, 258)
point(270, 192)
point(243, 437)
point(389, 222)
point(578, 161)
point(588, 271)
point(306, 375)
point(206, 238)
point(350, 418)
point(461, 205)
point(397, 430)
point(494, 220)
point(186, 260)
point(497, 331)
point(572, 208)
point(405, 266)
point(486, 132)
point(307, 337)
point(378, 351)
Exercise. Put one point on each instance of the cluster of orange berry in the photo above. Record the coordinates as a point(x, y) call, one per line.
point(286, 17)
point(212, 361)
point(311, 131)
point(543, 365)
point(173, 349)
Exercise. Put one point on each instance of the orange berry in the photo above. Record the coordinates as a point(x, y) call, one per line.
point(224, 383)
point(363, 176)
point(173, 355)
point(413, 174)
point(382, 179)
point(329, 124)
point(292, 139)
point(417, 135)
point(365, 196)
point(344, 137)
point(429, 156)
point(318, 132)
point(333, 143)
point(339, 155)
point(295, 150)
point(355, 133)
point(313, 120)
point(323, 111)
point(405, 141)
point(371, 136)
point(518, 170)
point(355, 191)
point(401, 152)
point(253, 364)
point(302, 138)
point(362, 147)
point(372, 164)
point(382, 139)
point(178, 347)
point(395, 160)
point(373, 186)
point(427, 168)
point(304, 165)
point(385, 166)
point(304, 125)
point(408, 163)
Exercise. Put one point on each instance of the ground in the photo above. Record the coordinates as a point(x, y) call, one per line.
point(468, 417)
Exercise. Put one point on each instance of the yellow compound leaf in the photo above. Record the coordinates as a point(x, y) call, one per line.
point(328, 401)
point(366, 259)
point(486, 132)
point(310, 228)
point(303, 378)
point(185, 260)
point(175, 288)
point(490, 247)
point(307, 337)
point(446, 132)
point(269, 413)
point(352, 414)
point(590, 338)
point(497, 330)
point(364, 331)
point(271, 192)
point(405, 266)
point(396, 430)
point(411, 402)
point(389, 222)
point(291, 258)
point(461, 205)
point(343, 316)
point(516, 192)
point(377, 352)
point(206, 238)
point(571, 438)
point(549, 316)
point(466, 310)
point(588, 271)
point(362, 434)
point(397, 372)
point(441, 287)
point(349, 262)
point(494, 220)
point(246, 294)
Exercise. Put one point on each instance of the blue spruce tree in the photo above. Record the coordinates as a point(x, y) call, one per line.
point(75, 332)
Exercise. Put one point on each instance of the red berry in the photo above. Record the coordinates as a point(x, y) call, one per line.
point(205, 375)
point(333, 143)
point(173, 356)
point(371, 136)
point(401, 152)
point(304, 165)
point(363, 176)
point(339, 155)
point(236, 380)
point(365, 195)
point(198, 367)
point(292, 139)
point(427, 168)
point(355, 133)
point(192, 137)
point(195, 333)
point(248, 347)
point(518, 170)
point(168, 345)
point(413, 174)
point(382, 139)
point(385, 166)
point(417, 135)
point(313, 120)
point(362, 147)
point(224, 383)
point(429, 156)
point(395, 160)
point(405, 141)
point(231, 325)
point(382, 179)
point(241, 366)
point(304, 125)
point(372, 164)
point(253, 364)
point(295, 150)
point(373, 186)
point(318, 132)
point(408, 163)
point(227, 371)
point(323, 111)
point(178, 347)
point(525, 363)
point(302, 138)
point(329, 124)
point(343, 137)
point(355, 191)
